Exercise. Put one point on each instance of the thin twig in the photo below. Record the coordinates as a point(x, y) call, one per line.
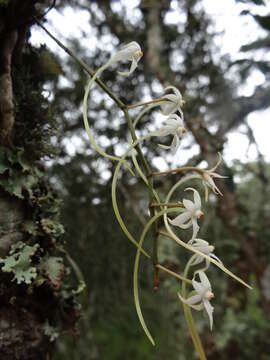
point(178, 170)
point(133, 106)
point(180, 277)
point(168, 205)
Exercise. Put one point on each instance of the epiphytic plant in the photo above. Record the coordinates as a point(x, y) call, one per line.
point(161, 221)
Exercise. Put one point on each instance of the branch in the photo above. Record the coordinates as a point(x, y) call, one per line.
point(258, 44)
point(245, 105)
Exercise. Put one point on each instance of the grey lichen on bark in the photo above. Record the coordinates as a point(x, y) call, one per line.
point(11, 220)
point(35, 289)
point(6, 92)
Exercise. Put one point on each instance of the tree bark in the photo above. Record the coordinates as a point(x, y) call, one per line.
point(27, 205)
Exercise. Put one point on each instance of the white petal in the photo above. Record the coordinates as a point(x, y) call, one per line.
point(215, 257)
point(188, 204)
point(174, 123)
point(175, 144)
point(181, 219)
point(164, 131)
point(175, 90)
point(196, 197)
point(196, 307)
point(197, 260)
point(216, 175)
point(168, 107)
point(204, 280)
point(201, 242)
point(198, 287)
point(195, 229)
point(209, 179)
point(132, 68)
point(165, 147)
point(205, 191)
point(176, 118)
point(209, 309)
point(193, 299)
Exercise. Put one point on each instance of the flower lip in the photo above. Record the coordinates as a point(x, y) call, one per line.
point(209, 295)
point(199, 214)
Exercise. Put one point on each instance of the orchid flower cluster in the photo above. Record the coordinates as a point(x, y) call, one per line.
point(162, 221)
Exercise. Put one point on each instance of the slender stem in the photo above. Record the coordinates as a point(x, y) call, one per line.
point(179, 170)
point(168, 205)
point(155, 101)
point(180, 277)
point(84, 66)
point(143, 177)
point(147, 227)
point(148, 172)
point(137, 147)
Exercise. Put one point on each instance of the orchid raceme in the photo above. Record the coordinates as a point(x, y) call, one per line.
point(201, 300)
point(208, 181)
point(173, 125)
point(204, 247)
point(129, 52)
point(189, 217)
point(172, 102)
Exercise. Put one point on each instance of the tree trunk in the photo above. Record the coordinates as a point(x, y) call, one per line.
point(32, 305)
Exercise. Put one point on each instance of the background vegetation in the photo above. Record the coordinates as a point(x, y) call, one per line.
point(183, 54)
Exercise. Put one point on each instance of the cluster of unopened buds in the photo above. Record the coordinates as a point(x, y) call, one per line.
point(188, 211)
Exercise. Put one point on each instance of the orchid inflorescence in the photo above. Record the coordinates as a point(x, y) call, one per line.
point(161, 221)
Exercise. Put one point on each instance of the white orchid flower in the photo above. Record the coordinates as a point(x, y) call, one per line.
point(173, 102)
point(204, 247)
point(129, 52)
point(189, 217)
point(208, 177)
point(201, 300)
point(173, 125)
